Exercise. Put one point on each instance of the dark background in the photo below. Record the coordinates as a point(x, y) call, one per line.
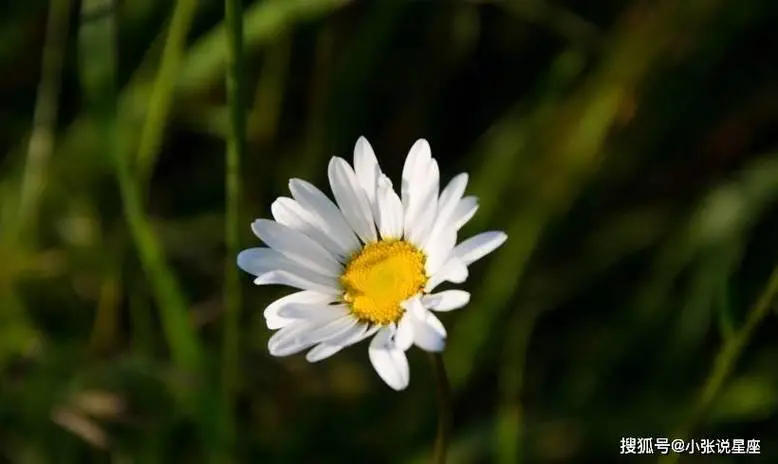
point(628, 148)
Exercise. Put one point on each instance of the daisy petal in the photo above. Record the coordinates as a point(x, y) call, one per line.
point(303, 334)
point(288, 212)
point(415, 184)
point(288, 341)
point(414, 170)
point(296, 246)
point(366, 168)
point(389, 361)
point(312, 311)
point(449, 199)
point(464, 212)
point(275, 321)
point(389, 210)
point(439, 250)
point(369, 333)
point(322, 351)
point(453, 270)
point(326, 349)
point(351, 199)
point(295, 280)
point(354, 335)
point(329, 329)
point(328, 216)
point(403, 338)
point(478, 246)
point(446, 300)
point(423, 204)
point(428, 332)
point(258, 261)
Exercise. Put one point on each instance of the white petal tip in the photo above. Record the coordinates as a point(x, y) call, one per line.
point(399, 388)
point(321, 352)
point(435, 349)
point(389, 362)
point(447, 300)
point(335, 161)
point(242, 260)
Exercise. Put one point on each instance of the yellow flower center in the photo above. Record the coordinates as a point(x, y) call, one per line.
point(379, 277)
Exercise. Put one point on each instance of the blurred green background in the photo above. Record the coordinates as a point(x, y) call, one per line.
point(629, 149)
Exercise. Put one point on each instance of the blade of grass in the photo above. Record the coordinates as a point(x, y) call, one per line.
point(508, 140)
point(161, 96)
point(166, 289)
point(203, 64)
point(725, 362)
point(270, 91)
point(262, 23)
point(569, 153)
point(747, 196)
point(509, 435)
point(20, 206)
point(41, 143)
point(98, 71)
point(97, 74)
point(559, 20)
point(544, 291)
point(176, 325)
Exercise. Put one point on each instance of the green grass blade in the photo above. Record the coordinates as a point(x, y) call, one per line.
point(161, 96)
point(41, 143)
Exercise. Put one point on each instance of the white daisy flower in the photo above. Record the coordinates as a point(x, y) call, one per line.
point(367, 264)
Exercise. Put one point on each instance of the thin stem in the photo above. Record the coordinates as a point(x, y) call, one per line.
point(263, 21)
point(96, 58)
point(725, 361)
point(176, 325)
point(233, 13)
point(167, 291)
point(510, 437)
point(41, 142)
point(443, 393)
point(162, 90)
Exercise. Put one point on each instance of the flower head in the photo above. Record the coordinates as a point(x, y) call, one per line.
point(368, 263)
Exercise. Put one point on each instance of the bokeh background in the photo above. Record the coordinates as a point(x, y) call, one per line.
point(629, 149)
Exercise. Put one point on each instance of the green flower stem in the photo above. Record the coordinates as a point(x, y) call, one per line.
point(725, 362)
point(443, 393)
point(233, 12)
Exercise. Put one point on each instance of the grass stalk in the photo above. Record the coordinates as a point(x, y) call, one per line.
point(41, 142)
point(162, 91)
point(724, 363)
point(443, 396)
point(236, 143)
point(176, 324)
